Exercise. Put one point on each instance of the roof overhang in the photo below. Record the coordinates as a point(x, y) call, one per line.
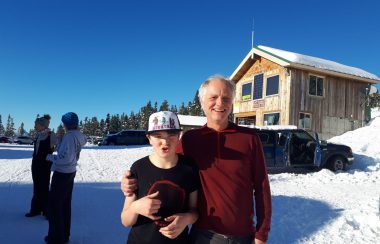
point(249, 60)
point(333, 73)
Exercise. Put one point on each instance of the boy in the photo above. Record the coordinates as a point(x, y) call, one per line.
point(64, 167)
point(166, 198)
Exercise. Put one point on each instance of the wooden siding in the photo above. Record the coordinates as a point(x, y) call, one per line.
point(274, 103)
point(342, 98)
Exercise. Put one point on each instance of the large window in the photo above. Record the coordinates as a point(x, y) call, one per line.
point(304, 121)
point(246, 91)
point(272, 85)
point(272, 119)
point(316, 86)
point(258, 87)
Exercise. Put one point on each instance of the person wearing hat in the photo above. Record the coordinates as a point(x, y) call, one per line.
point(43, 145)
point(235, 199)
point(166, 197)
point(64, 167)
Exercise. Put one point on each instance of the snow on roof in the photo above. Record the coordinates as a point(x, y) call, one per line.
point(271, 127)
point(318, 63)
point(192, 120)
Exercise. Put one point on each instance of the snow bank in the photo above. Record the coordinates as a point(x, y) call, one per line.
point(365, 143)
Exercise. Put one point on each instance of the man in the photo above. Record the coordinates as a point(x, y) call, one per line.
point(232, 171)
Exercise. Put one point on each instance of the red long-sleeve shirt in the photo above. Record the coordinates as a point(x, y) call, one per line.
point(232, 171)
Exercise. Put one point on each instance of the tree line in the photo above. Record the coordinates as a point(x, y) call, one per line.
point(113, 123)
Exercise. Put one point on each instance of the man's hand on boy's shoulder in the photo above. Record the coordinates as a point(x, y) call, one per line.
point(128, 184)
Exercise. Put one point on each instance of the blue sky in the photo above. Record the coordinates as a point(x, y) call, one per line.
point(97, 57)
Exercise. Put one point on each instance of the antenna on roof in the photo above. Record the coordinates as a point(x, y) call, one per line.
point(253, 30)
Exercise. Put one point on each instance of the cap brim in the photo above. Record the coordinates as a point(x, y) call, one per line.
point(152, 131)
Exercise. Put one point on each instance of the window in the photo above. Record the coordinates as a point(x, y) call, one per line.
point(258, 87)
point(251, 120)
point(272, 85)
point(304, 121)
point(272, 119)
point(246, 91)
point(316, 86)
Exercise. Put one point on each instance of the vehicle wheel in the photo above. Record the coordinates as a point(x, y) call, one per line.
point(337, 163)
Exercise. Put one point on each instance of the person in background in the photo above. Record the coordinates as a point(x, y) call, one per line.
point(64, 167)
point(166, 198)
point(232, 170)
point(43, 145)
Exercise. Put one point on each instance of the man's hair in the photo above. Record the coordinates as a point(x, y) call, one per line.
point(202, 89)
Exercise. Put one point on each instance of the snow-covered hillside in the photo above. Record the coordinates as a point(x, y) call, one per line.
point(318, 207)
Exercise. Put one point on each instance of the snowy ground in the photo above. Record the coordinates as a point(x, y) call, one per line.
point(319, 207)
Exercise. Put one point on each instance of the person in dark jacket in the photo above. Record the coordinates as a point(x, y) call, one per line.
point(43, 145)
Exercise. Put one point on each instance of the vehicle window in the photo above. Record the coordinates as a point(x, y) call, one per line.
point(264, 138)
point(303, 136)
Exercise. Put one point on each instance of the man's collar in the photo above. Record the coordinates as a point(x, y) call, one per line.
point(231, 127)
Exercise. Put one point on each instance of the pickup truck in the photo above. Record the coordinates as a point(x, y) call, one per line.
point(296, 148)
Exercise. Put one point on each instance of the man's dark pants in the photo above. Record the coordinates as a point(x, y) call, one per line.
point(198, 236)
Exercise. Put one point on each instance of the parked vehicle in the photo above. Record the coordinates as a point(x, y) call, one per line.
point(23, 140)
point(4, 139)
point(296, 148)
point(126, 137)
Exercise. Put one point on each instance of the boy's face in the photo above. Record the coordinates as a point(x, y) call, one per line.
point(164, 142)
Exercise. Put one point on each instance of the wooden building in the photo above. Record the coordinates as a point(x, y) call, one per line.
point(276, 87)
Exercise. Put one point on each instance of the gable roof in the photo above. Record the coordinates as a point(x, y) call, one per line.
point(300, 61)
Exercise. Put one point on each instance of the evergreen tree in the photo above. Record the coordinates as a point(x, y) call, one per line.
point(124, 121)
point(188, 108)
point(10, 130)
point(195, 108)
point(134, 120)
point(21, 130)
point(85, 127)
point(2, 130)
point(173, 108)
point(164, 106)
point(60, 127)
point(81, 126)
point(145, 112)
point(102, 128)
point(115, 124)
point(183, 110)
point(155, 107)
point(107, 123)
point(374, 100)
point(32, 133)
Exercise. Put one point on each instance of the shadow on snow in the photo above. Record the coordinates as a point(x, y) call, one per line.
point(96, 211)
point(96, 216)
point(295, 219)
point(15, 153)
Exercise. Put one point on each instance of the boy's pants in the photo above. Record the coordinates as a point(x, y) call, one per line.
point(60, 207)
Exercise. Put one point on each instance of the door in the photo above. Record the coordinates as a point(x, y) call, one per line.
point(317, 152)
point(282, 149)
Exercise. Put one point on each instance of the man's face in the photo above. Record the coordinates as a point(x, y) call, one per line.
point(217, 102)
